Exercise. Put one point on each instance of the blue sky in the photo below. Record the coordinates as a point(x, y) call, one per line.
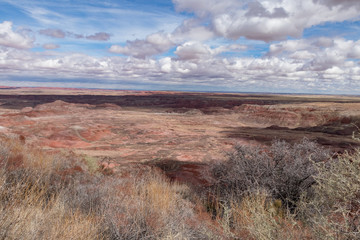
point(309, 46)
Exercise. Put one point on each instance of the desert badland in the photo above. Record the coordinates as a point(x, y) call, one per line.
point(121, 127)
point(106, 164)
point(180, 119)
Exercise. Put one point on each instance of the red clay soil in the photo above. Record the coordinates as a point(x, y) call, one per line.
point(187, 130)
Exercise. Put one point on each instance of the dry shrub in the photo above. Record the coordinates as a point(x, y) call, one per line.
point(257, 216)
point(333, 208)
point(57, 197)
point(356, 135)
point(265, 219)
point(36, 217)
point(45, 196)
point(285, 171)
point(150, 207)
point(14, 154)
point(32, 194)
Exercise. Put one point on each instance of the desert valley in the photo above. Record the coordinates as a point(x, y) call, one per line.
point(106, 164)
point(124, 127)
point(180, 120)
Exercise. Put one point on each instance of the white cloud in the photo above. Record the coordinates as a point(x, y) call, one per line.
point(160, 42)
point(233, 19)
point(202, 45)
point(193, 50)
point(153, 44)
point(165, 65)
point(9, 38)
point(196, 50)
point(190, 30)
point(199, 65)
point(289, 46)
point(267, 20)
point(318, 54)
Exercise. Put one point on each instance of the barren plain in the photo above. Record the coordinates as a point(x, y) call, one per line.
point(182, 133)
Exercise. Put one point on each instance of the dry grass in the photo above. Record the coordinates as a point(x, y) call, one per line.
point(257, 216)
point(32, 204)
point(333, 208)
point(45, 196)
point(37, 219)
point(49, 196)
point(265, 219)
point(150, 207)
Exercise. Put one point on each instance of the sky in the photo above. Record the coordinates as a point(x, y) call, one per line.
point(280, 46)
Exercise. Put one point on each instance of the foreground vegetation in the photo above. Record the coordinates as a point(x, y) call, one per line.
point(286, 191)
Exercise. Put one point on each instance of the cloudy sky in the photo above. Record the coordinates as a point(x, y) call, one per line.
point(307, 46)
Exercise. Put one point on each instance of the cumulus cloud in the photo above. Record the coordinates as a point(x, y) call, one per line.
point(55, 33)
point(9, 38)
point(100, 36)
point(319, 54)
point(197, 64)
point(233, 19)
point(196, 50)
point(160, 42)
point(267, 20)
point(191, 30)
point(291, 46)
point(50, 46)
point(153, 44)
point(193, 50)
point(201, 45)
